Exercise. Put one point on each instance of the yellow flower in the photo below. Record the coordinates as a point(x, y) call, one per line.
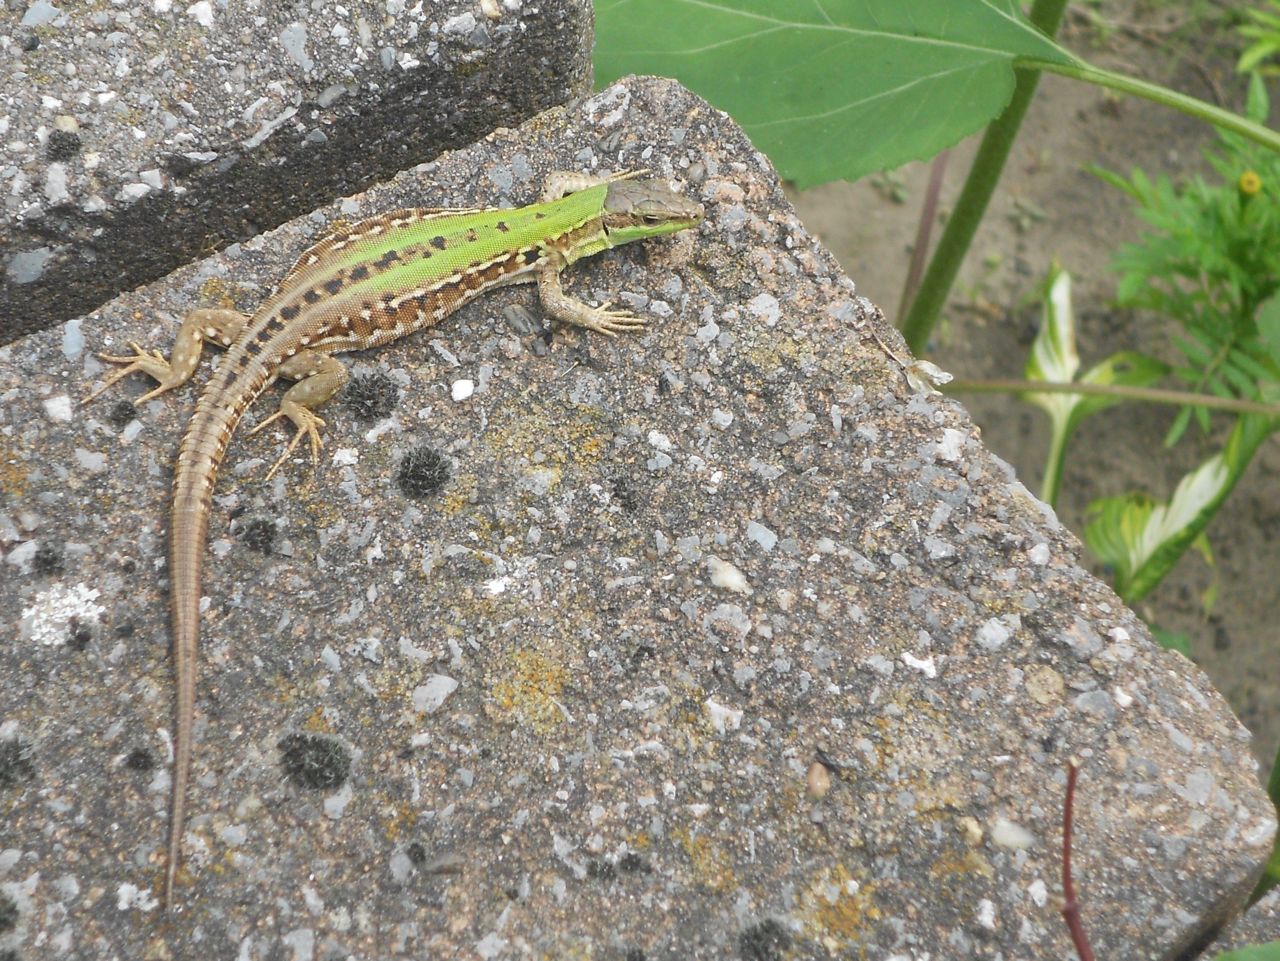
point(1249, 183)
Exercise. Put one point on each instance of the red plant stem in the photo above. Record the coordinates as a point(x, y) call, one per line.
point(1071, 907)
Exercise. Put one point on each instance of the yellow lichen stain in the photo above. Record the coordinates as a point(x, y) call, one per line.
point(458, 497)
point(216, 292)
point(404, 816)
point(712, 867)
point(639, 841)
point(971, 862)
point(531, 690)
point(549, 440)
point(13, 475)
point(838, 907)
point(317, 723)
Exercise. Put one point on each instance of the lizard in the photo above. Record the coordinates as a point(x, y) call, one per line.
point(362, 286)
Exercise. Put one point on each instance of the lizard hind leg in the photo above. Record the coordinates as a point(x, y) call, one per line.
point(562, 182)
point(215, 325)
point(318, 377)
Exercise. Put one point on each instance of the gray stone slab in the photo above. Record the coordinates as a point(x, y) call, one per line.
point(1259, 925)
point(136, 137)
point(718, 642)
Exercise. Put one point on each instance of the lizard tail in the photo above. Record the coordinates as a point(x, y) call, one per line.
point(187, 541)
point(194, 478)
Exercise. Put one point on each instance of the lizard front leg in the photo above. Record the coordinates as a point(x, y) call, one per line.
point(214, 324)
point(562, 182)
point(318, 377)
point(573, 311)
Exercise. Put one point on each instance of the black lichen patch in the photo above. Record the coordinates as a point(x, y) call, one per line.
point(8, 914)
point(371, 396)
point(601, 870)
point(62, 145)
point(47, 560)
point(79, 635)
point(423, 471)
point(140, 759)
point(259, 535)
point(624, 492)
point(635, 954)
point(633, 863)
point(15, 762)
point(121, 414)
point(765, 941)
point(314, 762)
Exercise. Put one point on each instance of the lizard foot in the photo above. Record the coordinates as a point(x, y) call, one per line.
point(152, 364)
point(307, 424)
point(610, 322)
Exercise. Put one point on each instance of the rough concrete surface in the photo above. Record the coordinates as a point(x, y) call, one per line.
point(716, 641)
point(1259, 925)
point(206, 123)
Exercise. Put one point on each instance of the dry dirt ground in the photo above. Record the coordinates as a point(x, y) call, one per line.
point(1049, 207)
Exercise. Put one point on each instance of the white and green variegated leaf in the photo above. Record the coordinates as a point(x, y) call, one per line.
point(1054, 359)
point(1141, 538)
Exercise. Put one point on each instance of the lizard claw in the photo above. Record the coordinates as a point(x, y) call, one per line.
point(307, 424)
point(152, 364)
point(610, 322)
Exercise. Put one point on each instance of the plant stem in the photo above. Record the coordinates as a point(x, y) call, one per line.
point(1224, 119)
point(1153, 395)
point(980, 184)
point(920, 249)
point(1071, 908)
point(1054, 465)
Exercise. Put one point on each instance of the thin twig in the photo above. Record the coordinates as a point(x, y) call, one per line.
point(924, 229)
point(1071, 907)
point(1154, 395)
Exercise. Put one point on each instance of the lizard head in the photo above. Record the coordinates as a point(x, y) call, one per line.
point(639, 209)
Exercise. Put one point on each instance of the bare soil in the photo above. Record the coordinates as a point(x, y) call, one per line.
point(1049, 207)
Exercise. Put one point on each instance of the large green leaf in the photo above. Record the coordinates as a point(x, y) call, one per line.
point(1254, 952)
point(831, 88)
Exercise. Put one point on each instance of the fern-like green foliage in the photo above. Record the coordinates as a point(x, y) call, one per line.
point(1263, 29)
point(1211, 262)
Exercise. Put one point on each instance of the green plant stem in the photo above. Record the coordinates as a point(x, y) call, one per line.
point(1224, 119)
point(1271, 876)
point(979, 185)
point(1054, 465)
point(1153, 395)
